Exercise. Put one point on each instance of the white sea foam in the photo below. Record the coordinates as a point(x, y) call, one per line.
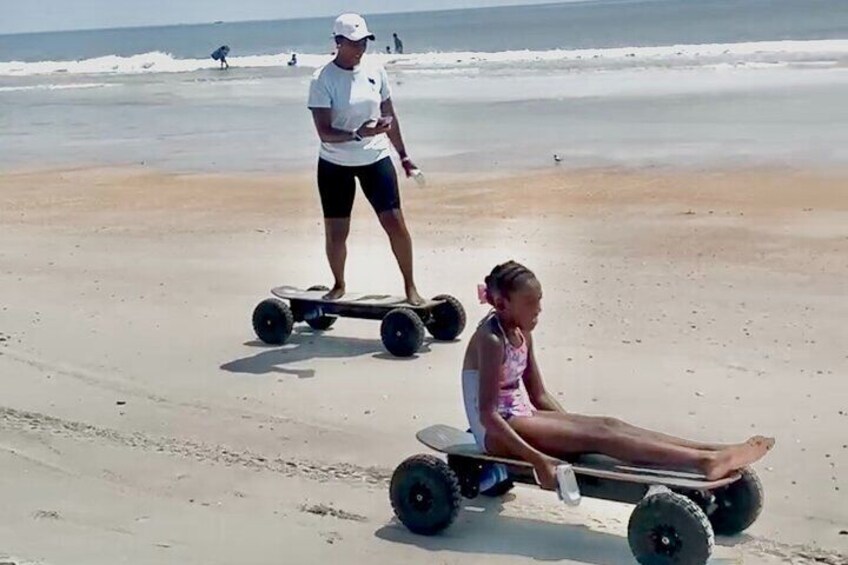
point(823, 52)
point(74, 86)
point(761, 51)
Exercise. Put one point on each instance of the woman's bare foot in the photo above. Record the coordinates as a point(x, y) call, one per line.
point(413, 297)
point(724, 462)
point(335, 293)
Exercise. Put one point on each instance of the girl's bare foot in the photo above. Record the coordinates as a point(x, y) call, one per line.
point(761, 440)
point(723, 446)
point(335, 293)
point(724, 462)
point(753, 440)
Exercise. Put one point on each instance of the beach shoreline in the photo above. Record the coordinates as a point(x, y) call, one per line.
point(140, 418)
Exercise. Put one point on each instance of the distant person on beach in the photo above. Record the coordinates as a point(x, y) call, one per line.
point(293, 61)
point(353, 113)
point(398, 44)
point(511, 414)
point(220, 54)
point(388, 50)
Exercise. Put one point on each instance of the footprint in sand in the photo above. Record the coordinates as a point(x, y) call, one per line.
point(46, 515)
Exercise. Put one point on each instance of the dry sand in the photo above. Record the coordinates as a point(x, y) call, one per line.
point(141, 422)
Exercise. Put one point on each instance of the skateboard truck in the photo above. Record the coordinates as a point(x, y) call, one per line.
point(656, 489)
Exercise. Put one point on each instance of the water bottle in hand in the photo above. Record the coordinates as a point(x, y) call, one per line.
point(567, 488)
point(418, 176)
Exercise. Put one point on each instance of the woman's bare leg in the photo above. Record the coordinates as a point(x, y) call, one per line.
point(336, 231)
point(401, 242)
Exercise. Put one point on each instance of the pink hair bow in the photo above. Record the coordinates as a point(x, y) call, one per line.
point(482, 294)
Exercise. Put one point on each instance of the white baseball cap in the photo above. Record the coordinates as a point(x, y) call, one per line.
point(352, 26)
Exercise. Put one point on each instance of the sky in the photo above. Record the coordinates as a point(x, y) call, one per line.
point(20, 16)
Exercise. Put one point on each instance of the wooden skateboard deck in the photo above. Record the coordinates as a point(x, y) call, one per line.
point(452, 441)
point(350, 299)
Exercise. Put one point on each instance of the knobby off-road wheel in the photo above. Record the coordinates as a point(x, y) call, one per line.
point(273, 321)
point(321, 323)
point(737, 505)
point(669, 529)
point(447, 319)
point(425, 494)
point(402, 332)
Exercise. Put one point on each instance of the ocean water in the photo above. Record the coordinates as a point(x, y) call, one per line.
point(622, 82)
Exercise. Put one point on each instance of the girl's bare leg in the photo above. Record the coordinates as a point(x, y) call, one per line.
point(564, 437)
point(637, 431)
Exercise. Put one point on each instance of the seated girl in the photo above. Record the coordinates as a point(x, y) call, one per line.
point(512, 415)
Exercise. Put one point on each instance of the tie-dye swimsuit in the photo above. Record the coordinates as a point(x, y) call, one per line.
point(512, 399)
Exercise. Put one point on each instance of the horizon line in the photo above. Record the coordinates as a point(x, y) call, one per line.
point(315, 17)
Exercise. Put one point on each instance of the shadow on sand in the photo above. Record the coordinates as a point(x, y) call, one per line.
point(305, 345)
point(481, 529)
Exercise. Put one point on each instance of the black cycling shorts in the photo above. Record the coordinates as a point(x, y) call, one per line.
point(337, 186)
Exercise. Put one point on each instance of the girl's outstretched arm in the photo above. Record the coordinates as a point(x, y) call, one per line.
point(539, 395)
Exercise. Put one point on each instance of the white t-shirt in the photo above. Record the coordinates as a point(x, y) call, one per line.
point(354, 98)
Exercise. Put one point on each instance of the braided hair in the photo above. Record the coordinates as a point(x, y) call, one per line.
point(506, 278)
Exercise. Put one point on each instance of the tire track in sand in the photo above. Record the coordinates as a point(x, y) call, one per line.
point(20, 420)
